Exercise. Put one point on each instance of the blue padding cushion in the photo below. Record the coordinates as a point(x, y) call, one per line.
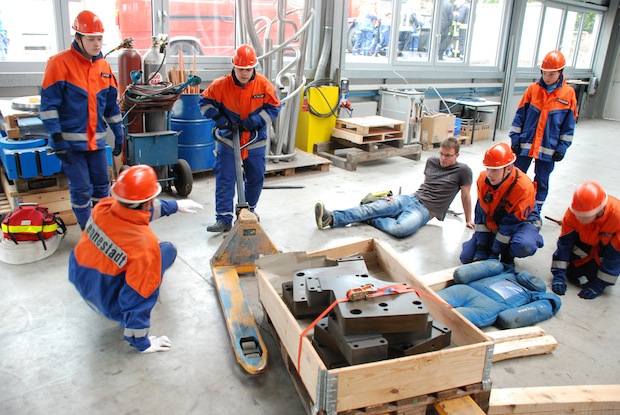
point(472, 304)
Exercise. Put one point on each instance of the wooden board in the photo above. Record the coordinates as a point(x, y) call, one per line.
point(524, 347)
point(583, 399)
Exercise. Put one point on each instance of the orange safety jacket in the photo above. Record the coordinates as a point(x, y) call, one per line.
point(256, 101)
point(519, 202)
point(598, 241)
point(78, 98)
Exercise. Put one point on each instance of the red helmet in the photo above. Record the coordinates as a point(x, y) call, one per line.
point(498, 156)
point(553, 61)
point(589, 199)
point(137, 184)
point(88, 23)
point(245, 57)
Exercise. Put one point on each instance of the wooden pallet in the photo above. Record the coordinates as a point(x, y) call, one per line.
point(302, 161)
point(348, 155)
point(369, 129)
point(463, 140)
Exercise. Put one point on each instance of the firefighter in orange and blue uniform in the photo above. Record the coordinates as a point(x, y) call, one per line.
point(544, 124)
point(78, 99)
point(118, 264)
point(247, 101)
point(588, 249)
point(504, 211)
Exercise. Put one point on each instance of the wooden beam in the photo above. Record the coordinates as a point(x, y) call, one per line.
point(464, 405)
point(515, 334)
point(580, 399)
point(524, 347)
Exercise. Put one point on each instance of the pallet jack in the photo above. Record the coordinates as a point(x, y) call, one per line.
point(243, 245)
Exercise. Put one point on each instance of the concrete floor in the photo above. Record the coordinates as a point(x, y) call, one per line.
point(58, 356)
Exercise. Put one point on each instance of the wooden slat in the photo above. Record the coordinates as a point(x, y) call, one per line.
point(515, 334)
point(583, 399)
point(458, 406)
point(525, 347)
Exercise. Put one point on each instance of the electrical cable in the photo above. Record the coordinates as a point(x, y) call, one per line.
point(316, 84)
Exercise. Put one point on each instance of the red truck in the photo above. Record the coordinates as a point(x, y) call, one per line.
point(201, 27)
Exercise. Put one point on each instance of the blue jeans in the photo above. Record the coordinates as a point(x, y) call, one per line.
point(399, 216)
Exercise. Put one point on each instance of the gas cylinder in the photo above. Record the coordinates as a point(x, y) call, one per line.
point(154, 65)
point(129, 60)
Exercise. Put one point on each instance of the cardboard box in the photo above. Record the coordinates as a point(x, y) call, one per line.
point(467, 363)
point(438, 128)
point(483, 131)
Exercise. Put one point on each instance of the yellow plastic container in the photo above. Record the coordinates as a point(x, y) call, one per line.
point(312, 129)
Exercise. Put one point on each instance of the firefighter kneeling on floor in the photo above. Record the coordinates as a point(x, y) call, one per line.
point(505, 218)
point(588, 249)
point(118, 264)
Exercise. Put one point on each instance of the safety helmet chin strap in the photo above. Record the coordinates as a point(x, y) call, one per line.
point(80, 38)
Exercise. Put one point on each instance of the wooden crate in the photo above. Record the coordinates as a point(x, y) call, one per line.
point(466, 363)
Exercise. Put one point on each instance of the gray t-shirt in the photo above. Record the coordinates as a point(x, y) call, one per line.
point(441, 184)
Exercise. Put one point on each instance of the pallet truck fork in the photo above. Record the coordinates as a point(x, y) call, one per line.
point(243, 245)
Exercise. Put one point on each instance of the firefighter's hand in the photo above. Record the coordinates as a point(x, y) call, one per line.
point(516, 149)
point(593, 289)
point(558, 285)
point(158, 344)
point(188, 206)
point(557, 156)
point(223, 131)
point(118, 146)
point(62, 150)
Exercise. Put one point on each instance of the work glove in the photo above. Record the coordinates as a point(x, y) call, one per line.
point(558, 285)
point(557, 156)
point(118, 146)
point(220, 120)
point(516, 149)
point(494, 255)
point(593, 289)
point(223, 131)
point(158, 344)
point(188, 206)
point(253, 123)
point(62, 149)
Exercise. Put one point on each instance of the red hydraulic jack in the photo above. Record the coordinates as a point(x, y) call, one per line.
point(243, 245)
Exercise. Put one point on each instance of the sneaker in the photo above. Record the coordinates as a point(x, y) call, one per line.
point(219, 226)
point(324, 218)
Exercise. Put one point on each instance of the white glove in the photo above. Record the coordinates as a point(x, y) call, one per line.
point(188, 206)
point(158, 344)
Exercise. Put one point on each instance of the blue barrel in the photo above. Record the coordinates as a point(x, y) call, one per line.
point(196, 143)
